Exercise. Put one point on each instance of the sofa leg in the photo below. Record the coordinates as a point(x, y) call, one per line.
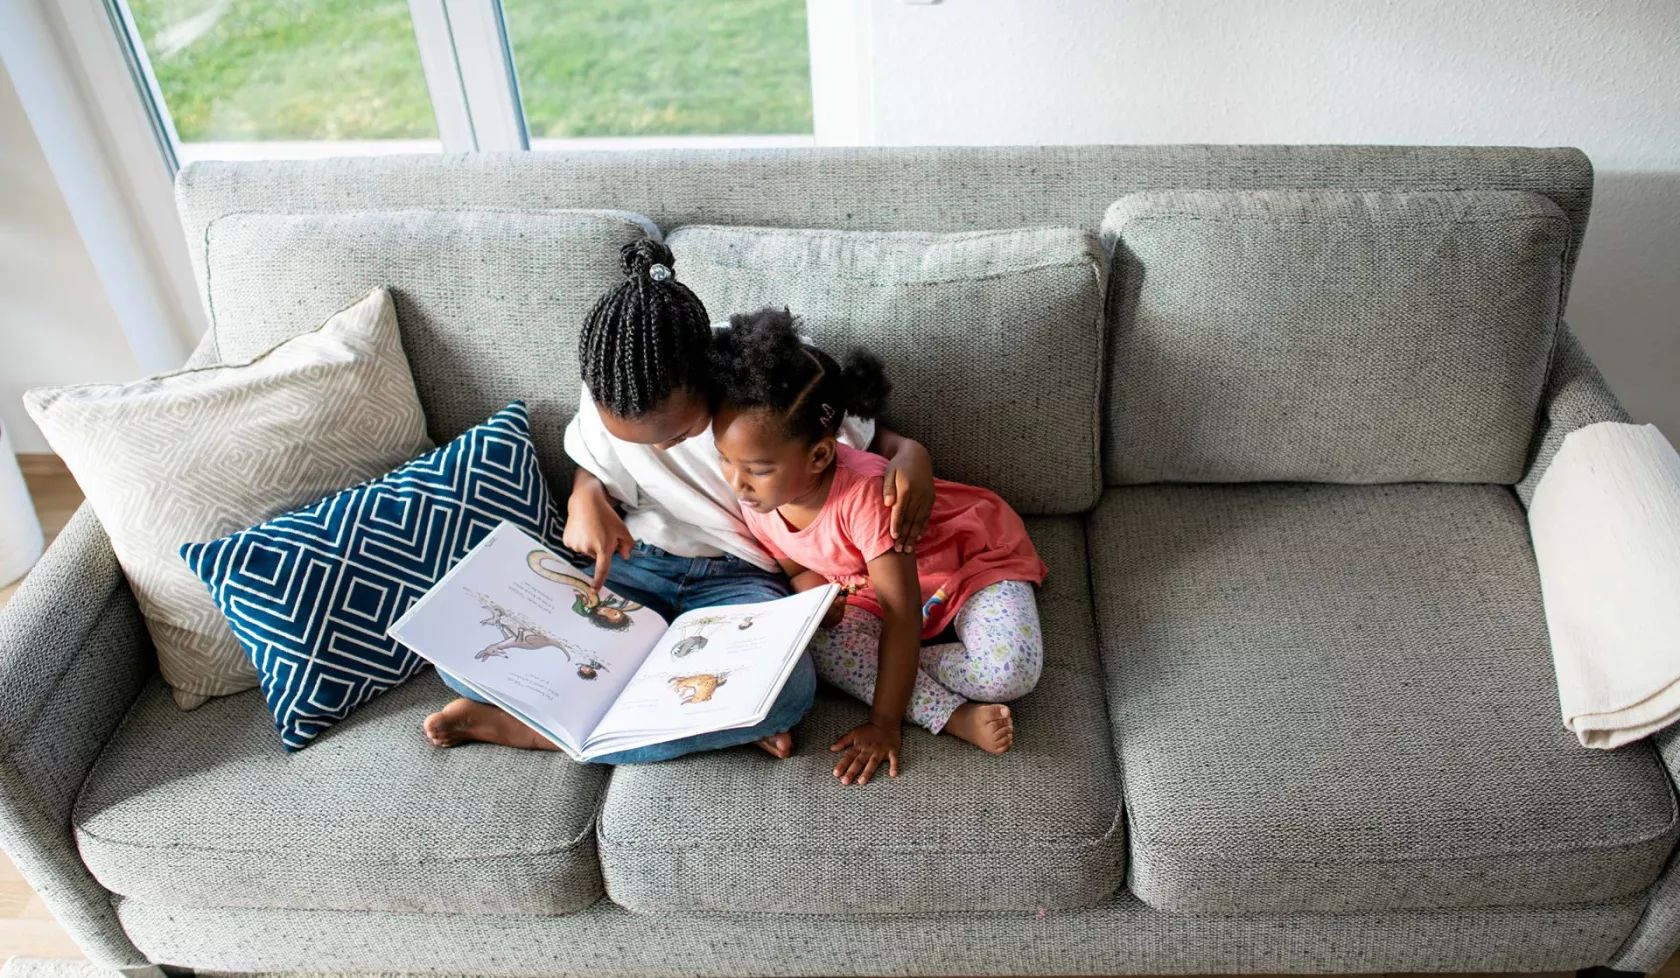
point(1607, 973)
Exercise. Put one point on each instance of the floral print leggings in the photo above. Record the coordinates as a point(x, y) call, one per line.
point(999, 657)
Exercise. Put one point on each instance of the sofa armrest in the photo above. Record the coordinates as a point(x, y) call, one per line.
point(1657, 936)
point(74, 654)
point(1576, 396)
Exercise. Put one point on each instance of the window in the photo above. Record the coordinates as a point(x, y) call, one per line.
point(633, 69)
point(288, 78)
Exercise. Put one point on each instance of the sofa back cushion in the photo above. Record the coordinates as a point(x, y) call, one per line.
point(489, 303)
point(1329, 336)
point(992, 339)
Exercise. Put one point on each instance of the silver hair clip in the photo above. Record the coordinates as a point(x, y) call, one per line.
point(827, 414)
point(659, 273)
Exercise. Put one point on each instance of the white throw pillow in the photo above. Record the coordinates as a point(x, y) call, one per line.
point(196, 454)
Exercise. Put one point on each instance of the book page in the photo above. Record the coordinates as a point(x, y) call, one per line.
point(714, 669)
point(515, 621)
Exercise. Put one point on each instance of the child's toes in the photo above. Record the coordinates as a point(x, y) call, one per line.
point(1000, 728)
point(777, 745)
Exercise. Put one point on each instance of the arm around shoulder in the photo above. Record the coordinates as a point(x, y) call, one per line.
point(907, 488)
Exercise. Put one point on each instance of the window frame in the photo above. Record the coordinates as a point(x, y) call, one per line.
point(468, 64)
point(467, 61)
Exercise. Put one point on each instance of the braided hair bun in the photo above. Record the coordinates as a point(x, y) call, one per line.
point(647, 338)
point(639, 257)
point(762, 361)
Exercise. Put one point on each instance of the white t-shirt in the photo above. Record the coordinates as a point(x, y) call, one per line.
point(677, 499)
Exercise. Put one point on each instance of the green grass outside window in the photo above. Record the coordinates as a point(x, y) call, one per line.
point(349, 69)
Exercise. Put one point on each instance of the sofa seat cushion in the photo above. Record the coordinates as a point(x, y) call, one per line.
point(1333, 698)
point(204, 809)
point(958, 830)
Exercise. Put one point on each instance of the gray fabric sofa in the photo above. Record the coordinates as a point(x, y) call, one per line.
point(1297, 712)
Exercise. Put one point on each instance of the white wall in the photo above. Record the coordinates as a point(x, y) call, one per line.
point(1603, 76)
point(56, 326)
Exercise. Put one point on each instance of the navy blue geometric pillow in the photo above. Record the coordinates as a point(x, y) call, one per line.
point(311, 593)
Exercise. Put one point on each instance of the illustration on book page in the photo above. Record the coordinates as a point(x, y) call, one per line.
point(698, 688)
point(520, 632)
point(611, 612)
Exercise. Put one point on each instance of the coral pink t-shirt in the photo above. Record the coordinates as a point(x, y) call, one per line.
point(973, 539)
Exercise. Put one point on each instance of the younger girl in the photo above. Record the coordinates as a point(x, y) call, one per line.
point(815, 505)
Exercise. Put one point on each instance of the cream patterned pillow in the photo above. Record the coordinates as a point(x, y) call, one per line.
point(197, 454)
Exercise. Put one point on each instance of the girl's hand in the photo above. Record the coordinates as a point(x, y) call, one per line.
point(908, 489)
point(866, 746)
point(836, 611)
point(595, 529)
point(809, 580)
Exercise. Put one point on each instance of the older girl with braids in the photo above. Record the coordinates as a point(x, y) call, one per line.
point(642, 442)
point(811, 501)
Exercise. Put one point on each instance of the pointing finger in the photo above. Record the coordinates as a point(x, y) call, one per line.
point(603, 563)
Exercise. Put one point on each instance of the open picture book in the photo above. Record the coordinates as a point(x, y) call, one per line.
point(598, 674)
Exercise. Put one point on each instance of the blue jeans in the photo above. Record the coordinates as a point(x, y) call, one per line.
point(672, 585)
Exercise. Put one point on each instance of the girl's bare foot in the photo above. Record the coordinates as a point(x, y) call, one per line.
point(779, 745)
point(987, 726)
point(465, 720)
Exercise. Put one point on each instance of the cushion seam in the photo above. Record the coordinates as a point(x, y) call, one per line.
point(1537, 414)
point(690, 261)
point(606, 214)
point(1633, 897)
point(1027, 906)
point(1084, 844)
point(1141, 842)
point(209, 291)
point(712, 845)
point(1099, 364)
point(561, 908)
point(1318, 221)
point(1016, 914)
point(926, 237)
point(420, 859)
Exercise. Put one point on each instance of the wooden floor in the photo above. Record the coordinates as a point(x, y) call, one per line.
point(56, 498)
point(25, 926)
